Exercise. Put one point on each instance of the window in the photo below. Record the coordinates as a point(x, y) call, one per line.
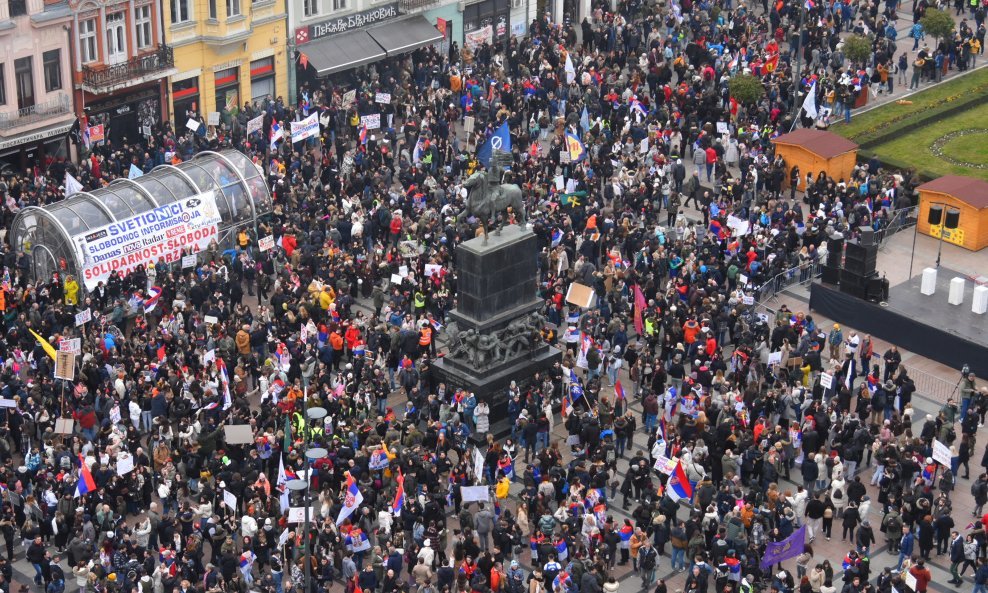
point(87, 41)
point(3, 86)
point(181, 11)
point(116, 38)
point(24, 78)
point(262, 79)
point(53, 70)
point(310, 7)
point(17, 7)
point(339, 4)
point(212, 9)
point(232, 8)
point(142, 22)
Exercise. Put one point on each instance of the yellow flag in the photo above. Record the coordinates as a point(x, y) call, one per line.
point(44, 344)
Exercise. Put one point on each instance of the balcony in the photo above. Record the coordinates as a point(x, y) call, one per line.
point(137, 70)
point(39, 112)
point(410, 6)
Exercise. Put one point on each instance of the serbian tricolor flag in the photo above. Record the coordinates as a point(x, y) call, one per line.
point(504, 464)
point(86, 483)
point(679, 486)
point(351, 499)
point(363, 133)
point(626, 532)
point(567, 407)
point(562, 552)
point(557, 237)
point(151, 301)
point(399, 502)
point(618, 391)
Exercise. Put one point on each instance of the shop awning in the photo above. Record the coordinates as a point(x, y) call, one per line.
point(343, 52)
point(405, 35)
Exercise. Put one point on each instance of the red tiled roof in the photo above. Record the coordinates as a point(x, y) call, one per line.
point(973, 192)
point(820, 142)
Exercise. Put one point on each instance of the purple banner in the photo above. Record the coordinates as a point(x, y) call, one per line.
point(788, 548)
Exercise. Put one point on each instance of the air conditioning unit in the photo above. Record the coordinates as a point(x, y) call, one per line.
point(461, 6)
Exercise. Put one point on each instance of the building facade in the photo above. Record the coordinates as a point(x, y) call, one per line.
point(227, 53)
point(36, 111)
point(121, 64)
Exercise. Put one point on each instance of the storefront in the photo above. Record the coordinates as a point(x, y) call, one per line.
point(488, 21)
point(20, 153)
point(227, 88)
point(262, 79)
point(185, 96)
point(127, 116)
point(349, 42)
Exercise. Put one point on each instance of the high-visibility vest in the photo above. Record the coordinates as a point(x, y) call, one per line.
point(425, 336)
point(419, 300)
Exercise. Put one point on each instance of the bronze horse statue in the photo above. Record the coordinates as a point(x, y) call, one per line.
point(488, 201)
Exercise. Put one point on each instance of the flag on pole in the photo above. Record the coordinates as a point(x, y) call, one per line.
point(225, 380)
point(351, 499)
point(585, 120)
point(134, 172)
point(86, 483)
point(72, 185)
point(618, 391)
point(570, 70)
point(151, 300)
point(640, 305)
point(282, 483)
point(499, 140)
point(49, 349)
point(399, 501)
point(276, 133)
point(679, 486)
point(809, 103)
point(577, 152)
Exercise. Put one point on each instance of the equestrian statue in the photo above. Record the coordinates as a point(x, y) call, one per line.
point(489, 199)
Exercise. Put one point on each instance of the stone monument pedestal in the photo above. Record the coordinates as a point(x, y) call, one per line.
point(496, 286)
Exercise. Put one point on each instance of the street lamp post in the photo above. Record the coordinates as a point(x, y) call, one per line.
point(312, 454)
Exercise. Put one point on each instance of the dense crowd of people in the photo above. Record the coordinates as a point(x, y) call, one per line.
point(148, 491)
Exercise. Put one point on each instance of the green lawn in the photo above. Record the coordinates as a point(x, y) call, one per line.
point(971, 148)
point(892, 116)
point(914, 149)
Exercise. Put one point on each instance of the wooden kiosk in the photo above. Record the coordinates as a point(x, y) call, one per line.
point(814, 151)
point(966, 194)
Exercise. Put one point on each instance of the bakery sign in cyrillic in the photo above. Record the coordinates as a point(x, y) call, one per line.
point(345, 23)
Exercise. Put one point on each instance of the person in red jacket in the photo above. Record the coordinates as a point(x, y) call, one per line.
point(711, 161)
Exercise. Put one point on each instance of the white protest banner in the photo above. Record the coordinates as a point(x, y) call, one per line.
point(910, 580)
point(8, 403)
point(739, 225)
point(372, 121)
point(297, 514)
point(305, 129)
point(396, 279)
point(722, 128)
point(192, 124)
point(747, 300)
point(229, 500)
point(349, 98)
point(266, 243)
point(475, 494)
point(211, 319)
point(826, 380)
point(209, 356)
point(70, 345)
point(941, 453)
point(125, 464)
point(382, 98)
point(403, 271)
point(283, 538)
point(468, 123)
point(742, 280)
point(643, 147)
point(115, 416)
point(162, 233)
point(774, 357)
point(255, 125)
point(213, 118)
point(189, 261)
point(431, 269)
point(83, 317)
